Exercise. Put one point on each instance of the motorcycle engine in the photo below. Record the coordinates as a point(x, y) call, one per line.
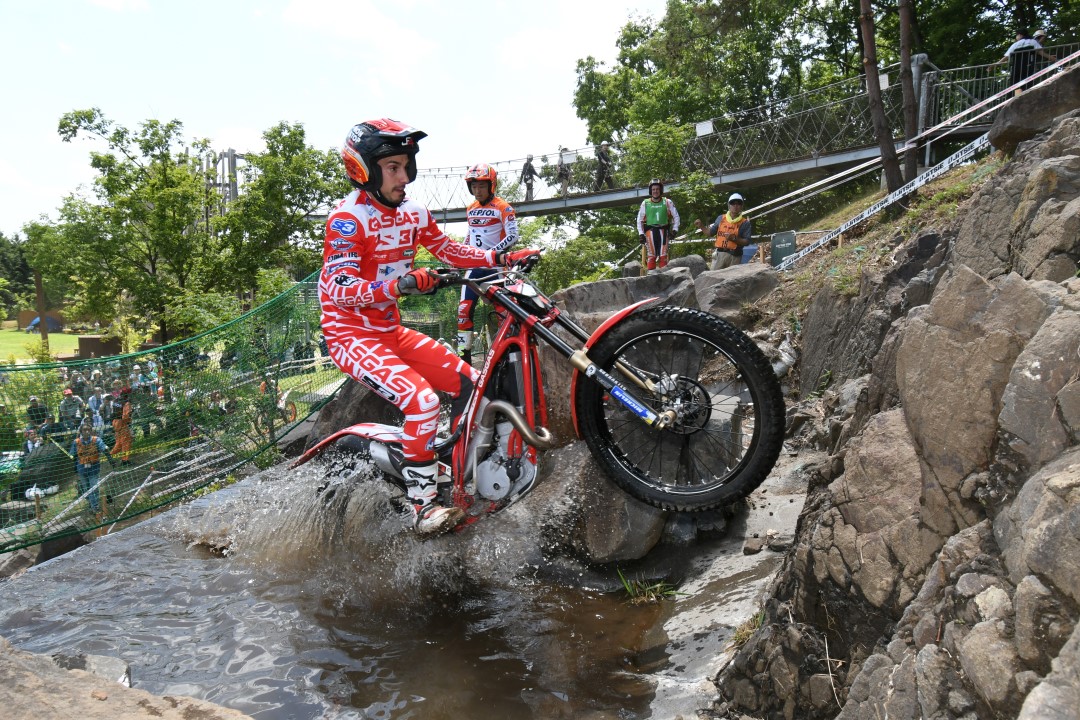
point(497, 476)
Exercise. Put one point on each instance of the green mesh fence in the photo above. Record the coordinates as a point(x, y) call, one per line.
point(196, 411)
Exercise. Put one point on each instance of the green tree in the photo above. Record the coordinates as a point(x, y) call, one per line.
point(144, 229)
point(278, 219)
point(17, 290)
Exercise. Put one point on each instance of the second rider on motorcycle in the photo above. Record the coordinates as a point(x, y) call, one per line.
point(368, 253)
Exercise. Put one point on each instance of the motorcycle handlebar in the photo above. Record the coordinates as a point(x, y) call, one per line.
point(454, 276)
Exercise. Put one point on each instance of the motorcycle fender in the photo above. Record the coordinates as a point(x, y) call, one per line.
point(371, 431)
point(604, 328)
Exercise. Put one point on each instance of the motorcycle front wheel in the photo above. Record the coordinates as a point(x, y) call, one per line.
point(726, 400)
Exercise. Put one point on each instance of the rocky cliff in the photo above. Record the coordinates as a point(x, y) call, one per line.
point(936, 572)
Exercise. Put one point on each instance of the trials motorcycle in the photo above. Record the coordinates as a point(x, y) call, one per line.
point(679, 407)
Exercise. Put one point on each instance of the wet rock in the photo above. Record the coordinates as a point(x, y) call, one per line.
point(33, 686)
point(588, 516)
point(753, 545)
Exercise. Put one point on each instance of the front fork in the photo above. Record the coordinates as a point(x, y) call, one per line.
point(580, 360)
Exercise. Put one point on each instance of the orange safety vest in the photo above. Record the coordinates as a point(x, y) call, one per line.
point(88, 452)
point(727, 231)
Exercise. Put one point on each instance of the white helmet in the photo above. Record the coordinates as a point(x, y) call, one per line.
point(735, 197)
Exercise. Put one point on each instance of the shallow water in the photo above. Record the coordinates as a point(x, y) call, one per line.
point(326, 606)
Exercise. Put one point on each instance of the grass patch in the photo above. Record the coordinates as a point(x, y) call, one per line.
point(13, 343)
point(644, 592)
point(745, 631)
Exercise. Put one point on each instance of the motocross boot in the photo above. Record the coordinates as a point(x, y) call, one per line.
point(421, 485)
point(464, 345)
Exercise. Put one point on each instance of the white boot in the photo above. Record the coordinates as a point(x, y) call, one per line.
point(464, 345)
point(429, 518)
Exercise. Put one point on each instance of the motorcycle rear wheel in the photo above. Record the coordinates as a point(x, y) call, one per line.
point(729, 406)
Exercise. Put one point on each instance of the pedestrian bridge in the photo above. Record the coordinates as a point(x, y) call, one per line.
point(815, 134)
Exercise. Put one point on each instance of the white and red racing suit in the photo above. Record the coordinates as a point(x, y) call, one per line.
point(492, 226)
point(367, 247)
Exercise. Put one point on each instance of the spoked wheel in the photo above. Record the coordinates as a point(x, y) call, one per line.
point(726, 401)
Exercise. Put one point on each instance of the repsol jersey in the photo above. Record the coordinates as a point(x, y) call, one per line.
point(367, 247)
point(492, 226)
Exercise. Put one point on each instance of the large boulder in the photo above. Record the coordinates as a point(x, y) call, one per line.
point(588, 516)
point(1029, 221)
point(590, 304)
point(873, 540)
point(730, 291)
point(952, 368)
point(1032, 112)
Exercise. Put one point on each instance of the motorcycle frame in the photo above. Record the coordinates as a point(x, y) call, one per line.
point(519, 328)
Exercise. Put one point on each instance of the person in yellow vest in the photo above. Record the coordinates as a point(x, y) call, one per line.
point(732, 231)
point(657, 221)
point(87, 450)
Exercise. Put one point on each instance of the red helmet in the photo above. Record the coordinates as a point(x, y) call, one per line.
point(369, 141)
point(481, 171)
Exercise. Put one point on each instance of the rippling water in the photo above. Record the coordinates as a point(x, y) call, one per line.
point(326, 606)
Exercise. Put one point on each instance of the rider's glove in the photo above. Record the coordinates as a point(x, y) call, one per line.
point(641, 238)
point(513, 257)
point(421, 281)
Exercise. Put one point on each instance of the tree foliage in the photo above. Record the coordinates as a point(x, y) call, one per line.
point(278, 219)
point(146, 242)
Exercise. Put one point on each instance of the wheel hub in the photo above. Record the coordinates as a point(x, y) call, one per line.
point(690, 401)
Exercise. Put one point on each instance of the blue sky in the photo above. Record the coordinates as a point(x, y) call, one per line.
point(485, 80)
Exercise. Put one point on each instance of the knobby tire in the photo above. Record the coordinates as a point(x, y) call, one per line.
point(731, 410)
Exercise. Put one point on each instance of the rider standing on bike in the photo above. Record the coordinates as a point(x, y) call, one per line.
point(657, 221)
point(492, 226)
point(368, 253)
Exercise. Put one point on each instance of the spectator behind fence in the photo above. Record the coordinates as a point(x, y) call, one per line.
point(51, 427)
point(32, 441)
point(121, 422)
point(1045, 58)
point(87, 449)
point(106, 411)
point(36, 412)
point(71, 410)
point(96, 398)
